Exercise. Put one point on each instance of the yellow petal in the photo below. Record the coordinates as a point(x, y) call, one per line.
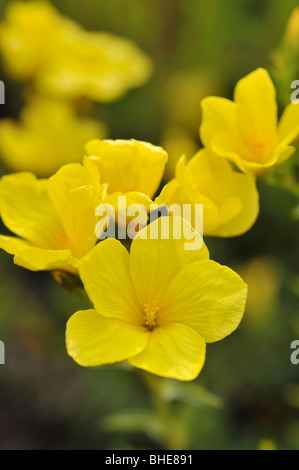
point(242, 155)
point(106, 277)
point(288, 128)
point(189, 244)
point(29, 37)
point(284, 153)
point(244, 131)
point(132, 198)
point(27, 210)
point(37, 42)
point(128, 165)
point(204, 164)
point(168, 193)
point(174, 351)
point(206, 296)
point(229, 198)
point(153, 265)
point(183, 193)
point(156, 256)
point(114, 66)
point(129, 206)
point(74, 193)
point(93, 340)
point(257, 113)
point(13, 245)
point(35, 259)
point(244, 194)
point(218, 115)
point(38, 259)
point(209, 179)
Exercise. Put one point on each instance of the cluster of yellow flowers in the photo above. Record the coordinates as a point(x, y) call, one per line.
point(158, 305)
point(63, 59)
point(63, 63)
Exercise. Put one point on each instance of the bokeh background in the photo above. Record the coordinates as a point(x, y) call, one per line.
point(248, 391)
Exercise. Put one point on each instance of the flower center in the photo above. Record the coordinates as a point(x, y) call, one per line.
point(150, 315)
point(63, 239)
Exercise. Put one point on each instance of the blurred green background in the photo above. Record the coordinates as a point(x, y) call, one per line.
point(49, 402)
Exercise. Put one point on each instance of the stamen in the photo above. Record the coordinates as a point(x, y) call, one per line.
point(150, 315)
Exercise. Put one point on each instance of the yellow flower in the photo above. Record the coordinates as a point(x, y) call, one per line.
point(49, 135)
point(156, 307)
point(246, 130)
point(130, 168)
point(38, 43)
point(30, 38)
point(128, 165)
point(99, 66)
point(266, 444)
point(229, 198)
point(54, 219)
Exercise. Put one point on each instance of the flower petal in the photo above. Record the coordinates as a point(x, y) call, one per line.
point(106, 277)
point(284, 153)
point(114, 66)
point(206, 296)
point(288, 128)
point(13, 245)
point(128, 206)
point(243, 190)
point(218, 115)
point(188, 243)
point(27, 210)
point(128, 165)
point(174, 351)
point(257, 113)
point(33, 258)
point(225, 146)
point(39, 259)
point(233, 194)
point(249, 137)
point(156, 256)
point(93, 340)
point(74, 192)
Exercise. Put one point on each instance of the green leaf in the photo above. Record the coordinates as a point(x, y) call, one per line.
point(135, 420)
point(190, 393)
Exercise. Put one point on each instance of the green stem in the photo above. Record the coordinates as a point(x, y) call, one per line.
point(164, 412)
